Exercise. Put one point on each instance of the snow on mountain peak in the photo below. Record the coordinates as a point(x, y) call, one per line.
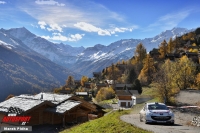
point(95, 57)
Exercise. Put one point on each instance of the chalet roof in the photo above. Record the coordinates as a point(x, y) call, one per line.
point(101, 84)
point(134, 92)
point(127, 92)
point(98, 73)
point(123, 93)
point(154, 51)
point(82, 93)
point(19, 102)
point(194, 47)
point(87, 83)
point(59, 102)
point(63, 107)
point(110, 81)
point(122, 85)
point(52, 97)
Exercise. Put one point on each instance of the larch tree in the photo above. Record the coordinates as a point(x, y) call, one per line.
point(170, 46)
point(140, 53)
point(83, 80)
point(198, 81)
point(185, 70)
point(164, 79)
point(146, 74)
point(163, 49)
point(70, 81)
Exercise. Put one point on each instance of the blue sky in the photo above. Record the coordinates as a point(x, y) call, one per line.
point(89, 22)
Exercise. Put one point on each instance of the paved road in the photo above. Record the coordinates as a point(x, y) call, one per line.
point(178, 127)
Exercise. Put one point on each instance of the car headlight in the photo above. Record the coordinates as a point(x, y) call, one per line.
point(171, 113)
point(149, 113)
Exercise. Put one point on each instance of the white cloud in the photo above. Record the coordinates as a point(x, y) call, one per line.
point(91, 28)
point(59, 37)
point(42, 24)
point(34, 25)
point(169, 21)
point(102, 32)
point(73, 11)
point(2, 2)
point(50, 27)
point(54, 27)
point(48, 2)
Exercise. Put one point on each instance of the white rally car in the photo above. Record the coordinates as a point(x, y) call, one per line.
point(156, 113)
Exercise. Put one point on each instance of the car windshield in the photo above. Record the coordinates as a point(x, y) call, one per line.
point(157, 107)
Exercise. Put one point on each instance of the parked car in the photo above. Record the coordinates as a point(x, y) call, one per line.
point(156, 113)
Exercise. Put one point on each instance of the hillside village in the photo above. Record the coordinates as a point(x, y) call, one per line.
point(142, 69)
point(121, 82)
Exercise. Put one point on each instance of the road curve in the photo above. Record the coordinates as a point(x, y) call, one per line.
point(178, 127)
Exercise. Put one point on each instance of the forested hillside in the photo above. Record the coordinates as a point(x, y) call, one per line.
point(172, 67)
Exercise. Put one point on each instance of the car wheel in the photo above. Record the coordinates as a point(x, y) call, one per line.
point(172, 123)
point(146, 122)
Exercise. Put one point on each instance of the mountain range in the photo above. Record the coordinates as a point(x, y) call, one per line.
point(22, 70)
point(91, 59)
point(30, 63)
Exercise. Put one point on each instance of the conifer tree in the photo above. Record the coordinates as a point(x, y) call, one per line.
point(137, 86)
point(70, 81)
point(146, 74)
point(170, 46)
point(184, 75)
point(163, 49)
point(140, 53)
point(164, 80)
point(131, 75)
point(83, 80)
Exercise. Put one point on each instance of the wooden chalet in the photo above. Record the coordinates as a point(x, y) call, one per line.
point(87, 85)
point(192, 55)
point(77, 82)
point(123, 86)
point(172, 56)
point(100, 85)
point(84, 95)
point(126, 98)
point(121, 67)
point(49, 108)
point(154, 53)
point(96, 74)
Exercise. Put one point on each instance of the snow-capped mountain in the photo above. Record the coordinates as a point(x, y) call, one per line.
point(56, 52)
point(87, 60)
point(22, 70)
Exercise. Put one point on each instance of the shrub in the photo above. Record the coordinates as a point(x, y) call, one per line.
point(105, 94)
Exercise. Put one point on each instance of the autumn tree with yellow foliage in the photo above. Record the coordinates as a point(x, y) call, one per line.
point(105, 93)
point(83, 80)
point(70, 81)
point(163, 49)
point(170, 46)
point(184, 75)
point(198, 81)
point(140, 53)
point(146, 74)
point(166, 88)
